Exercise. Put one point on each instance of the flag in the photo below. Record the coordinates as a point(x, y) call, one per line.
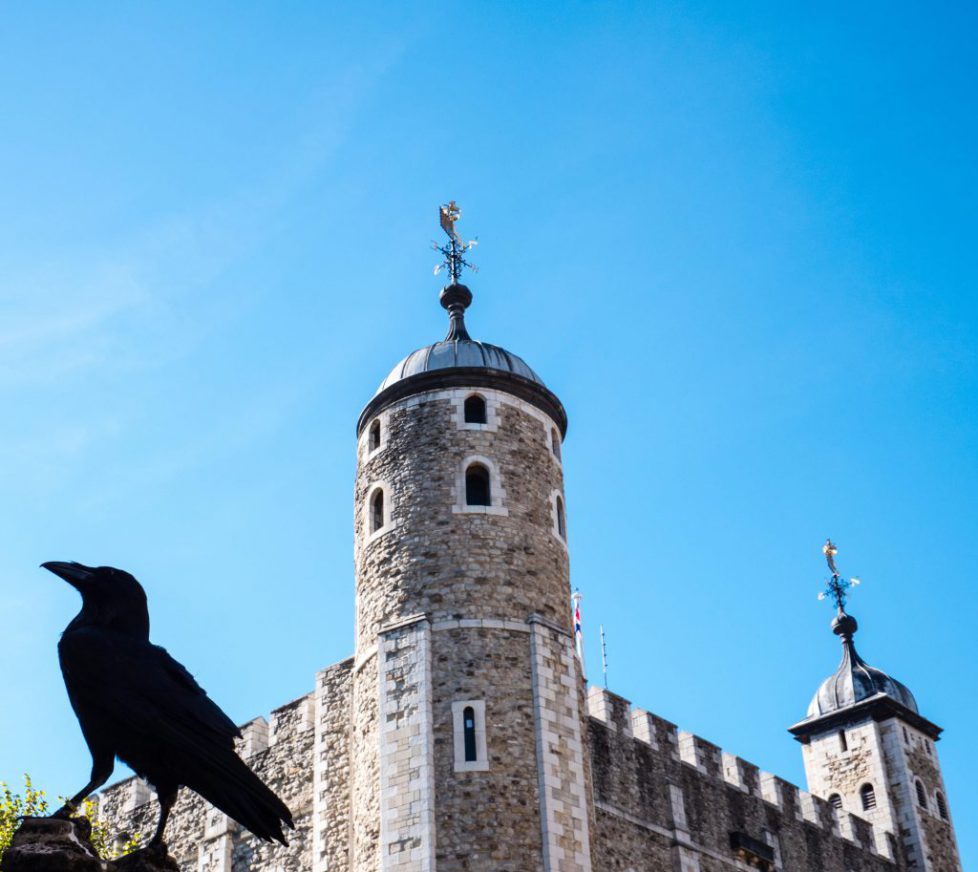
point(578, 632)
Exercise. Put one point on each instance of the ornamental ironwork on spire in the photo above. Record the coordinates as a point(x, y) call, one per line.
point(854, 681)
point(837, 587)
point(455, 297)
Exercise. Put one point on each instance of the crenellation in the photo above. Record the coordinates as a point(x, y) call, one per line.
point(808, 808)
point(771, 789)
point(733, 772)
point(254, 738)
point(643, 728)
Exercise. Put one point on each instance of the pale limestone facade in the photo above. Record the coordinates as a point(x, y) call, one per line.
point(463, 622)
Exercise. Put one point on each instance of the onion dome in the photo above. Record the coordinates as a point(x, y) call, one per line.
point(855, 680)
point(856, 691)
point(460, 361)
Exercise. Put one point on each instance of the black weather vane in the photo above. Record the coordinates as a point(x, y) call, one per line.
point(837, 585)
point(454, 251)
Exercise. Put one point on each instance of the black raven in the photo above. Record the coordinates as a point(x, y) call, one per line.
point(135, 702)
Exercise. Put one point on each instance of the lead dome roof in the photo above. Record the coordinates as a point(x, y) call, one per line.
point(855, 680)
point(461, 361)
point(455, 353)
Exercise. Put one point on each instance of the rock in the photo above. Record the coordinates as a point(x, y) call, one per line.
point(51, 845)
point(45, 844)
point(145, 860)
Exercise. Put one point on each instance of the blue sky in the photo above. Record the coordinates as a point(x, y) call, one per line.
point(735, 239)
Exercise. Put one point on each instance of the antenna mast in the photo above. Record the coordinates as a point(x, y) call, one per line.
point(604, 658)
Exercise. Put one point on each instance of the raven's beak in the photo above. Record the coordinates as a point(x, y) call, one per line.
point(74, 573)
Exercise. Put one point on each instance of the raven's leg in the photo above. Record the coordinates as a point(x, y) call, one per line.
point(102, 766)
point(167, 797)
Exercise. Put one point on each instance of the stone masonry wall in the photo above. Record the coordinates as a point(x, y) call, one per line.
point(486, 820)
point(830, 769)
point(202, 838)
point(331, 782)
point(560, 753)
point(670, 800)
point(451, 564)
point(407, 789)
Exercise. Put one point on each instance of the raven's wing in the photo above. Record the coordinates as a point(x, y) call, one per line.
point(164, 725)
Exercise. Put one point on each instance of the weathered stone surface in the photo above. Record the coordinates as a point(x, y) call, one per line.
point(57, 845)
point(145, 860)
point(51, 845)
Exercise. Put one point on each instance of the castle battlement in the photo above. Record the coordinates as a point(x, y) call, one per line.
point(683, 758)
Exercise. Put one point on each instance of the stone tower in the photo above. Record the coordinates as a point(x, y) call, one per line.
point(467, 700)
point(869, 751)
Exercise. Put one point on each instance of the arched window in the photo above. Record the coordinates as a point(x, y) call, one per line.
point(373, 440)
point(376, 511)
point(921, 795)
point(477, 491)
point(868, 795)
point(561, 523)
point(475, 410)
point(941, 806)
point(836, 801)
point(468, 731)
point(555, 442)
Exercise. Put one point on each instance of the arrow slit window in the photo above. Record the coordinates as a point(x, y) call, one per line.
point(469, 728)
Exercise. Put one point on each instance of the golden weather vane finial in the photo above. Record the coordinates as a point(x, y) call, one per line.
point(837, 585)
point(454, 251)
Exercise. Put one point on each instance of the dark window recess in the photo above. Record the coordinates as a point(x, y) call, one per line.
point(921, 796)
point(906, 736)
point(477, 486)
point(555, 442)
point(868, 796)
point(836, 801)
point(843, 742)
point(374, 436)
point(475, 410)
point(752, 851)
point(561, 523)
point(468, 731)
point(941, 806)
point(377, 511)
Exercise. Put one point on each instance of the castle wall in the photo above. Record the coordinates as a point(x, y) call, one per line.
point(201, 838)
point(670, 800)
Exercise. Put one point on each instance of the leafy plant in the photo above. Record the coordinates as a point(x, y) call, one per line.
point(33, 803)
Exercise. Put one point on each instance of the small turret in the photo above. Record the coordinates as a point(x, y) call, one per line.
point(869, 751)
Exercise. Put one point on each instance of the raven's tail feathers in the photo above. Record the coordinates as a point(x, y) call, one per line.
point(226, 782)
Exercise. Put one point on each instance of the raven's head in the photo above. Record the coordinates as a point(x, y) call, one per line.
point(110, 597)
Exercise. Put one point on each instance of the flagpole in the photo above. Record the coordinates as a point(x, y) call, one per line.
point(576, 598)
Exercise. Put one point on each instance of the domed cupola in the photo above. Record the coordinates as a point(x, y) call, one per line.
point(459, 360)
point(855, 680)
point(856, 689)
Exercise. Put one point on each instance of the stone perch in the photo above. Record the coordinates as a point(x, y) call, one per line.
point(44, 844)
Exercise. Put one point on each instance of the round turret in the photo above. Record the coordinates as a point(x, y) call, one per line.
point(459, 494)
point(463, 631)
